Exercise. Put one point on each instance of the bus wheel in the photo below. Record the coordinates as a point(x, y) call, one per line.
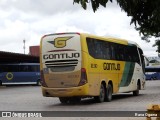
point(136, 92)
point(155, 78)
point(101, 96)
point(38, 82)
point(0, 83)
point(109, 91)
point(64, 100)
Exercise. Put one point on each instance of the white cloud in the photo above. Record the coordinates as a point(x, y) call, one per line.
point(31, 19)
point(43, 7)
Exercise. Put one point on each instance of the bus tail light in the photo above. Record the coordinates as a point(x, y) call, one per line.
point(83, 79)
point(43, 83)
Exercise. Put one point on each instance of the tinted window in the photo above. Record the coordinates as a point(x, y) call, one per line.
point(91, 47)
point(19, 68)
point(9, 68)
point(100, 49)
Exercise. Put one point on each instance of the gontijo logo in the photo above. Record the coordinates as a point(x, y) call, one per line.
point(9, 76)
point(60, 42)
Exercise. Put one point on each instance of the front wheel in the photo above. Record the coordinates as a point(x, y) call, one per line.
point(101, 96)
point(136, 92)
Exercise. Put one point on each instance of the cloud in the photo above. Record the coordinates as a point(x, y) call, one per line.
point(43, 7)
point(31, 19)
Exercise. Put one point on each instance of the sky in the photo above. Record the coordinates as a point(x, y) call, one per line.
point(29, 20)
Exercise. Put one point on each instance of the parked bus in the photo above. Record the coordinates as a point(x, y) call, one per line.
point(20, 73)
point(152, 72)
point(78, 65)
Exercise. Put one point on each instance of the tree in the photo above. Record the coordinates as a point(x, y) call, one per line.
point(145, 15)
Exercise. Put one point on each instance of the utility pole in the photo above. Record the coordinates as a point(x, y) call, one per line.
point(24, 45)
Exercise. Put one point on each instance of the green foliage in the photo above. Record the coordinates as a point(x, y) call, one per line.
point(157, 43)
point(145, 15)
point(95, 3)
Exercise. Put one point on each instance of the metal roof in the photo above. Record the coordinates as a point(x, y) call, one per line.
point(9, 57)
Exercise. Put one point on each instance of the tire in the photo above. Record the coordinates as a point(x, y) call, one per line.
point(109, 92)
point(102, 94)
point(136, 92)
point(38, 83)
point(64, 100)
point(155, 78)
point(0, 83)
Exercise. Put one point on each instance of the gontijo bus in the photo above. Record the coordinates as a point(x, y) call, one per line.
point(77, 65)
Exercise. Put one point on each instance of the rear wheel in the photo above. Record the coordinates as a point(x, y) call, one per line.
point(109, 92)
point(0, 83)
point(136, 92)
point(102, 94)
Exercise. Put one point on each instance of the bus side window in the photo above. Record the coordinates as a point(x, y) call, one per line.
point(130, 54)
point(141, 55)
point(136, 56)
point(127, 54)
point(34, 68)
point(91, 47)
point(121, 52)
point(105, 50)
point(23, 68)
point(117, 56)
point(142, 59)
point(112, 49)
point(98, 52)
point(108, 51)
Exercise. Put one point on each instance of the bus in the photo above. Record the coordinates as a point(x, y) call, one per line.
point(79, 65)
point(152, 72)
point(19, 73)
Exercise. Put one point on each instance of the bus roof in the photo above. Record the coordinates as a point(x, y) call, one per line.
point(111, 39)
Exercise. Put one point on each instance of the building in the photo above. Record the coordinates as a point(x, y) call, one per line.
point(34, 50)
point(9, 57)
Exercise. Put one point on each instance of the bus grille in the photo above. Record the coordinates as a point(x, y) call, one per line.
point(62, 65)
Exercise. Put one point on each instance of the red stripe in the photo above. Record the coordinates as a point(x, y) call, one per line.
point(62, 50)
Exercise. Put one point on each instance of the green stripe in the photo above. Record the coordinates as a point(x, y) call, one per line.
point(127, 74)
